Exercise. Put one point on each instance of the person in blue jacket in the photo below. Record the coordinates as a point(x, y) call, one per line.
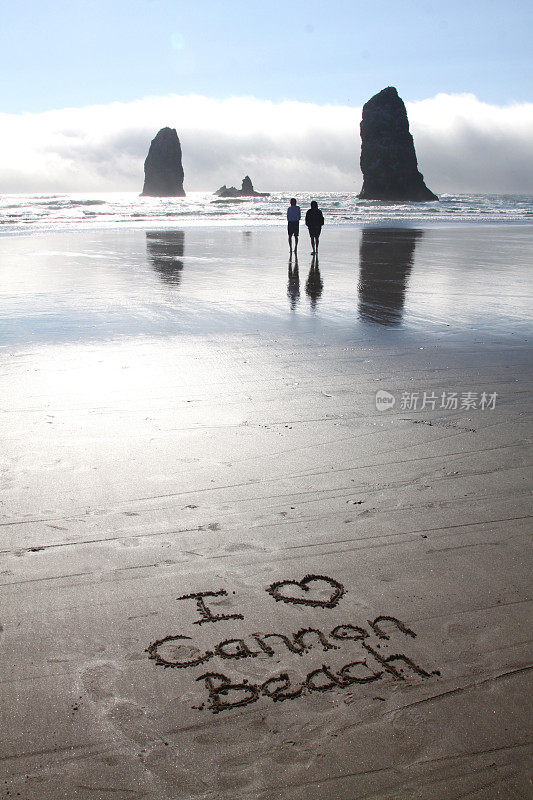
point(294, 216)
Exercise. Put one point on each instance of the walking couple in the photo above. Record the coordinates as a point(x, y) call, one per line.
point(314, 219)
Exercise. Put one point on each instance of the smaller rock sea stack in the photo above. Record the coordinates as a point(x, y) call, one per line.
point(247, 190)
point(163, 171)
point(388, 158)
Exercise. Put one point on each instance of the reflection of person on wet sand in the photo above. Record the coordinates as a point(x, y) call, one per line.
point(293, 224)
point(314, 285)
point(165, 250)
point(314, 219)
point(386, 259)
point(293, 283)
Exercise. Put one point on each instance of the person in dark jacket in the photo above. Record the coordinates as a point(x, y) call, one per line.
point(314, 219)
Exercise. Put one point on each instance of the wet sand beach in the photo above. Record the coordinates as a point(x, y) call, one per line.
point(227, 572)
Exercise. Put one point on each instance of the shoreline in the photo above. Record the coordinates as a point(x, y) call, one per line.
point(97, 211)
point(186, 224)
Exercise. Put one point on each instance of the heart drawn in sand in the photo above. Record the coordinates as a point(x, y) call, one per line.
point(313, 590)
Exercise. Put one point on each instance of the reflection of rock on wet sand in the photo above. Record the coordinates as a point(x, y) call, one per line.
point(385, 263)
point(314, 285)
point(165, 250)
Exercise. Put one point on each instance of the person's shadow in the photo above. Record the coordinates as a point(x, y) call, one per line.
point(293, 285)
point(165, 251)
point(314, 284)
point(385, 263)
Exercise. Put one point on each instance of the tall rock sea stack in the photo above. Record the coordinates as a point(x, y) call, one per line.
point(388, 158)
point(163, 171)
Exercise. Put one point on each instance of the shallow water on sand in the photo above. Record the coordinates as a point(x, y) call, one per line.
point(83, 286)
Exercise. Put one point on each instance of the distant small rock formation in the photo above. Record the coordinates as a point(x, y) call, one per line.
point(388, 158)
point(163, 171)
point(247, 190)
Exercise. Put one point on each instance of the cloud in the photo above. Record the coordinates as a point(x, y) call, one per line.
point(463, 145)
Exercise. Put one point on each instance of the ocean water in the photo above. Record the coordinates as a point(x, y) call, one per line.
point(23, 213)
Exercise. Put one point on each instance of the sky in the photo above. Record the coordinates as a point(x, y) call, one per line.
point(273, 86)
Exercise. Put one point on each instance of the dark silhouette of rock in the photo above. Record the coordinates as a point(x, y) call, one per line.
point(163, 171)
point(247, 190)
point(388, 158)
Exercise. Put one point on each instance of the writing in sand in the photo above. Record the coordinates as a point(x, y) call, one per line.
point(179, 651)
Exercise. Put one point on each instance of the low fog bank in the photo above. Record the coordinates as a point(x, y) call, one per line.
point(463, 145)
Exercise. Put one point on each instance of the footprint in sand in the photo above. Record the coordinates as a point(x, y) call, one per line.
point(99, 680)
point(133, 722)
point(144, 751)
point(241, 546)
